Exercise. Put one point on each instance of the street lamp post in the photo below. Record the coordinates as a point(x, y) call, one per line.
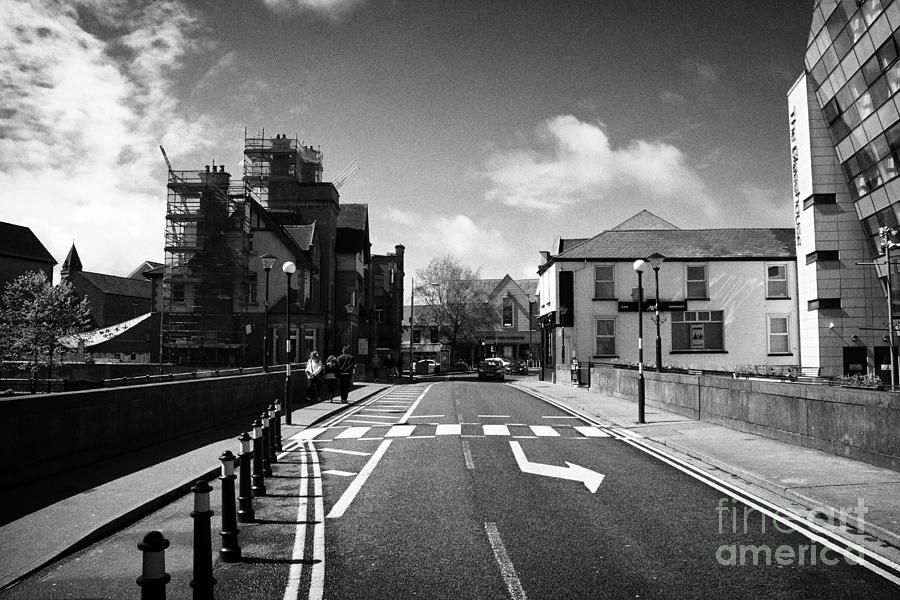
point(886, 233)
point(562, 313)
point(412, 308)
point(639, 269)
point(288, 268)
point(656, 259)
point(268, 261)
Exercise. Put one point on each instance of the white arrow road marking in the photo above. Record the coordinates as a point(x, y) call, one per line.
point(340, 473)
point(590, 479)
point(352, 490)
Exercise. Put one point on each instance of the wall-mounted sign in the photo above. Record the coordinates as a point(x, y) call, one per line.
point(650, 305)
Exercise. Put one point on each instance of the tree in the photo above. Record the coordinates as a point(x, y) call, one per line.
point(455, 301)
point(34, 314)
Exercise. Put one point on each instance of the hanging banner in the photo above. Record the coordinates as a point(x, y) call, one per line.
point(98, 336)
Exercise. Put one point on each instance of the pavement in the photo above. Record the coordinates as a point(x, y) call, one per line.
point(57, 516)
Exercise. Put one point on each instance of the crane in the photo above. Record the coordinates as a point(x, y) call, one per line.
point(345, 174)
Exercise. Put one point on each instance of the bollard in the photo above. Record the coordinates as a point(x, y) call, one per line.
point(231, 549)
point(259, 483)
point(245, 496)
point(153, 577)
point(278, 425)
point(267, 466)
point(273, 456)
point(203, 580)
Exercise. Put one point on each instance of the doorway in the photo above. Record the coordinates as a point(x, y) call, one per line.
point(855, 360)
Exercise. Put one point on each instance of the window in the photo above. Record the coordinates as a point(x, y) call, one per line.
point(779, 339)
point(134, 309)
point(507, 312)
point(606, 337)
point(251, 288)
point(250, 247)
point(697, 330)
point(177, 292)
point(417, 336)
point(433, 336)
point(696, 282)
point(776, 281)
point(604, 281)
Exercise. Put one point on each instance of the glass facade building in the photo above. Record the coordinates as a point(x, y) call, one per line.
point(844, 119)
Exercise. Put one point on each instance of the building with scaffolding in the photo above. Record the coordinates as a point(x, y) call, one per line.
point(214, 291)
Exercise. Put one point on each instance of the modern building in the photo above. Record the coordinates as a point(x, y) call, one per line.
point(20, 252)
point(387, 293)
point(726, 298)
point(844, 123)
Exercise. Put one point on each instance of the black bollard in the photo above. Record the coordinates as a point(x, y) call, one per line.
point(231, 549)
point(245, 496)
point(273, 455)
point(278, 425)
point(203, 580)
point(259, 483)
point(153, 577)
point(267, 466)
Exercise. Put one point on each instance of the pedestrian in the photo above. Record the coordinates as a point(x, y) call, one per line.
point(377, 365)
point(314, 369)
point(331, 375)
point(346, 363)
point(390, 366)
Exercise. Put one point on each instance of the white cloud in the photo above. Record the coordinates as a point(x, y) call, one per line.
point(576, 163)
point(332, 9)
point(81, 121)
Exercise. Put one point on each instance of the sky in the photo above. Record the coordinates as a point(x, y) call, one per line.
point(483, 130)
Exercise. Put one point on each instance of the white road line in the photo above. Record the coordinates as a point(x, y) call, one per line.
point(292, 590)
point(590, 431)
point(560, 417)
point(492, 416)
point(368, 416)
point(627, 433)
point(307, 434)
point(415, 404)
point(543, 431)
point(353, 489)
point(387, 410)
point(353, 432)
point(467, 455)
point(339, 473)
point(506, 567)
point(420, 437)
point(400, 431)
point(342, 451)
point(426, 416)
point(317, 580)
point(495, 429)
point(449, 429)
point(366, 422)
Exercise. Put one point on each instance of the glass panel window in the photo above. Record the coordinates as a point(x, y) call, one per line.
point(776, 281)
point(887, 54)
point(779, 337)
point(893, 77)
point(604, 281)
point(507, 312)
point(606, 337)
point(698, 331)
point(696, 281)
point(251, 288)
point(178, 292)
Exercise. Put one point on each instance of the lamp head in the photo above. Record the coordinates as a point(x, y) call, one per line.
point(656, 259)
point(289, 267)
point(268, 261)
point(639, 265)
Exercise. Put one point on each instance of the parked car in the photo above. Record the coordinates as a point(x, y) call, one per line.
point(492, 367)
point(517, 367)
point(427, 366)
point(460, 366)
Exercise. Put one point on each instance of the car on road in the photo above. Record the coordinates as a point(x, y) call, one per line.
point(492, 367)
point(427, 367)
point(517, 367)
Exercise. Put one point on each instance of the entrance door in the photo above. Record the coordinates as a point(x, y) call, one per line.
point(883, 363)
point(855, 360)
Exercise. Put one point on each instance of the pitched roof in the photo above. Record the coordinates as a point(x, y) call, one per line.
point(147, 265)
point(642, 221)
point(120, 286)
point(353, 216)
point(303, 235)
point(20, 241)
point(567, 244)
point(72, 262)
point(529, 286)
point(687, 244)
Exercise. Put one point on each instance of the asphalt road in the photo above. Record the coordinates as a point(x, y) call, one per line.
point(465, 489)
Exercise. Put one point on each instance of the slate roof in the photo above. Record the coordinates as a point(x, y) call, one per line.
point(687, 244)
point(147, 265)
point(529, 286)
point(302, 235)
point(353, 216)
point(567, 244)
point(20, 241)
point(642, 221)
point(72, 261)
point(120, 286)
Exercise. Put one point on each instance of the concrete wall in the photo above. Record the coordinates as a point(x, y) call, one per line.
point(50, 433)
point(852, 422)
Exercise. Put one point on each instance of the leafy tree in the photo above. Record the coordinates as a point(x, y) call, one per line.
point(455, 301)
point(34, 314)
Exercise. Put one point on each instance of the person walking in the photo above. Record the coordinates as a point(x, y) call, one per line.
point(377, 365)
point(390, 366)
point(314, 369)
point(346, 363)
point(331, 375)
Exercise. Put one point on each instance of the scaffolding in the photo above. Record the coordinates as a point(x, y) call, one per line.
point(206, 267)
point(269, 163)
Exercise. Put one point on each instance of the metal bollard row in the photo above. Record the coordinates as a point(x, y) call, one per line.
point(257, 453)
